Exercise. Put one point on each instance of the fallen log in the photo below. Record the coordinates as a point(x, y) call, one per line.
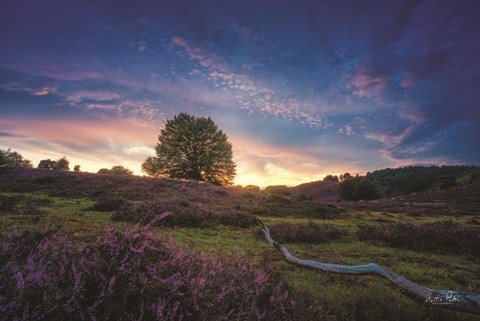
point(454, 300)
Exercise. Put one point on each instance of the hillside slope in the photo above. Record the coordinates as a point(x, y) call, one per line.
point(319, 190)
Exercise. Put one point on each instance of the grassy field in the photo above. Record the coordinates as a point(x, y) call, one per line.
point(68, 201)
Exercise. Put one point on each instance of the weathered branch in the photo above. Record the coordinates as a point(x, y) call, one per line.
point(454, 300)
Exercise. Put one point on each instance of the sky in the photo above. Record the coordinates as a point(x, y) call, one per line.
point(302, 88)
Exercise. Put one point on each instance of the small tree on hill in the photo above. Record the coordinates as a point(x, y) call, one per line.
point(47, 164)
point(116, 170)
point(192, 148)
point(11, 159)
point(330, 178)
point(76, 168)
point(62, 164)
point(358, 188)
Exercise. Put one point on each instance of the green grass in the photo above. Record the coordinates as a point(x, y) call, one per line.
point(348, 297)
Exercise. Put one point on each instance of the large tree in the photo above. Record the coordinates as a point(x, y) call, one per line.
point(192, 148)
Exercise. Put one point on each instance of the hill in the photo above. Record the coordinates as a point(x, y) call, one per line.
point(319, 190)
point(415, 179)
point(128, 247)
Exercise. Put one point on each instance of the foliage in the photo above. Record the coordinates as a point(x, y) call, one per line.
point(278, 189)
point(192, 148)
point(134, 275)
point(304, 233)
point(183, 213)
point(443, 236)
point(347, 298)
point(150, 166)
point(22, 205)
point(12, 159)
point(331, 178)
point(47, 164)
point(357, 188)
point(76, 168)
point(115, 170)
point(108, 203)
point(251, 187)
point(412, 179)
point(61, 164)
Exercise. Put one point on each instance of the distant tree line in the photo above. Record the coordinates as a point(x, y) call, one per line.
point(13, 159)
point(414, 179)
point(404, 180)
point(357, 188)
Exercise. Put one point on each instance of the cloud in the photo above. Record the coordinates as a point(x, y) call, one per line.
point(32, 88)
point(44, 91)
point(367, 84)
point(250, 93)
point(99, 143)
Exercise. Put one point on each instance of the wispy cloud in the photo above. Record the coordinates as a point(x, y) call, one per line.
point(251, 94)
point(367, 84)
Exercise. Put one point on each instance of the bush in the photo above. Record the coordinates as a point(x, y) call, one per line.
point(325, 212)
point(110, 203)
point(438, 237)
point(184, 213)
point(22, 205)
point(304, 233)
point(8, 204)
point(238, 218)
point(278, 189)
point(134, 275)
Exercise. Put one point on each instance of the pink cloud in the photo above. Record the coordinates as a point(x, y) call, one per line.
point(43, 91)
point(366, 84)
point(390, 140)
point(16, 86)
point(412, 115)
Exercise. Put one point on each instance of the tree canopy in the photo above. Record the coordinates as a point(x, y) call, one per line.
point(192, 147)
point(12, 159)
point(357, 188)
point(61, 164)
point(116, 170)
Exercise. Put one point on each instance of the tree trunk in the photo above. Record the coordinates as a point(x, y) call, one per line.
point(454, 300)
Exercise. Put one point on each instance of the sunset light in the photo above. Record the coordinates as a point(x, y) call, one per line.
point(302, 89)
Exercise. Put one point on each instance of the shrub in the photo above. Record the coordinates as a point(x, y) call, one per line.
point(134, 275)
point(110, 203)
point(438, 237)
point(278, 189)
point(235, 217)
point(279, 199)
point(184, 213)
point(304, 233)
point(22, 205)
point(325, 212)
point(8, 204)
